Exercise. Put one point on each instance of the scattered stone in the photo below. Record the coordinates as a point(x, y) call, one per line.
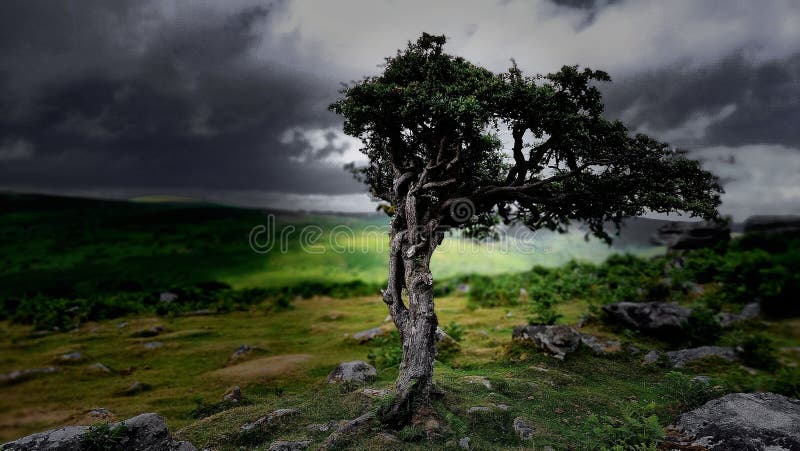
point(679, 235)
point(656, 318)
point(681, 357)
point(479, 380)
point(153, 345)
point(135, 388)
point(98, 367)
point(772, 224)
point(72, 357)
point(749, 311)
point(652, 356)
point(478, 409)
point(201, 312)
point(241, 351)
point(742, 421)
point(142, 433)
point(548, 448)
point(701, 380)
point(387, 438)
point(367, 335)
point(463, 442)
point(269, 420)
point(233, 395)
point(374, 393)
point(524, 429)
point(555, 340)
point(146, 333)
point(599, 346)
point(100, 412)
point(122, 325)
point(323, 427)
point(355, 371)
point(23, 375)
point(284, 445)
point(167, 297)
point(500, 406)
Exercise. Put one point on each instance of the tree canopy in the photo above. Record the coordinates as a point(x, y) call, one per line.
point(431, 125)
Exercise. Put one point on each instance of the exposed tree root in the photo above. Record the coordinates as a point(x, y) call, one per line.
point(348, 428)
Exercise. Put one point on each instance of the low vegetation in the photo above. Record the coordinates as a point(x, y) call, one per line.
point(295, 338)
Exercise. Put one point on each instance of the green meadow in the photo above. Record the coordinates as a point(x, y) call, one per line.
point(86, 276)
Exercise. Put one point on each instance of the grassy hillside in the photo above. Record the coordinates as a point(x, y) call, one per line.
point(78, 246)
point(93, 270)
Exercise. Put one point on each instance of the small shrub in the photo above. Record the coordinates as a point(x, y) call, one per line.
point(691, 394)
point(759, 351)
point(103, 437)
point(455, 331)
point(637, 428)
point(386, 352)
point(411, 433)
point(787, 382)
point(544, 313)
point(702, 327)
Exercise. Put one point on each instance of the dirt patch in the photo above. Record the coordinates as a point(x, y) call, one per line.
point(264, 368)
point(20, 422)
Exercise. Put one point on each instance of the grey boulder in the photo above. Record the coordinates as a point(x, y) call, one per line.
point(557, 340)
point(355, 371)
point(772, 224)
point(691, 235)
point(146, 432)
point(742, 421)
point(681, 357)
point(655, 318)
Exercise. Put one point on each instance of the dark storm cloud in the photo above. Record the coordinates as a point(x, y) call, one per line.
point(229, 98)
point(115, 95)
point(762, 101)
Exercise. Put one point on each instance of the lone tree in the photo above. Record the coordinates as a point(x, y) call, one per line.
point(430, 124)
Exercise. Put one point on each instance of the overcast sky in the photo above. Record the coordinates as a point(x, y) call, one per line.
point(226, 100)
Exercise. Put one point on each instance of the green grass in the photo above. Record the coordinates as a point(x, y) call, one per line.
point(72, 248)
point(83, 247)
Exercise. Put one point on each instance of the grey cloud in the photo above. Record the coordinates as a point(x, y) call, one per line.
point(765, 98)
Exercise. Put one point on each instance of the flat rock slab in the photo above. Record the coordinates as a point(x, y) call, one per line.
point(557, 341)
point(22, 375)
point(355, 371)
point(269, 419)
point(681, 357)
point(146, 432)
point(744, 421)
point(655, 318)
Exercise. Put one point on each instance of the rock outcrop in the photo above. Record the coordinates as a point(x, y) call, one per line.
point(146, 432)
point(772, 224)
point(654, 318)
point(355, 371)
point(740, 421)
point(691, 235)
point(557, 340)
point(681, 357)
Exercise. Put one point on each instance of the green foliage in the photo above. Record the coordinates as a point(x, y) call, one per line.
point(386, 352)
point(637, 428)
point(437, 117)
point(787, 382)
point(454, 330)
point(702, 327)
point(758, 350)
point(691, 394)
point(104, 437)
point(411, 433)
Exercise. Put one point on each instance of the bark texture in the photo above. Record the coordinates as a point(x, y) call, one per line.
point(414, 237)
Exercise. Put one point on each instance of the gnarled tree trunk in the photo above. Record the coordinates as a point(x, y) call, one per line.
point(409, 268)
